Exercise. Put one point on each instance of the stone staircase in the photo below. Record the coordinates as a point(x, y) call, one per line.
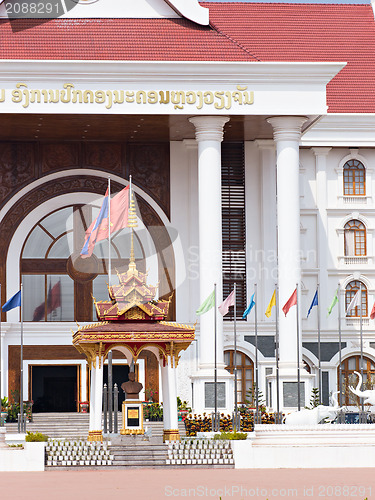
point(142, 454)
point(57, 425)
point(75, 426)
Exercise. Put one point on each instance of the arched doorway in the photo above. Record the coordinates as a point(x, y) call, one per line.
point(349, 378)
point(245, 373)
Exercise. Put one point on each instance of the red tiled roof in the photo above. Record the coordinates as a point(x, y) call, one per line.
point(239, 32)
point(310, 32)
point(115, 39)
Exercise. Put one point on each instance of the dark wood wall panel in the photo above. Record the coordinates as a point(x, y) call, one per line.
point(17, 167)
point(24, 162)
point(149, 166)
point(59, 156)
point(108, 154)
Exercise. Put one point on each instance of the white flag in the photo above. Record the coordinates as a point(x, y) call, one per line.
point(356, 302)
point(228, 302)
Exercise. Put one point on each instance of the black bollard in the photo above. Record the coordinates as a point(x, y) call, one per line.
point(105, 408)
point(115, 409)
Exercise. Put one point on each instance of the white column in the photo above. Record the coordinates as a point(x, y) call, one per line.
point(321, 154)
point(92, 398)
point(170, 416)
point(287, 133)
point(268, 224)
point(98, 393)
point(209, 135)
point(96, 400)
point(165, 390)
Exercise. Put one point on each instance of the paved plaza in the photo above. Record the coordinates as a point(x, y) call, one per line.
point(190, 483)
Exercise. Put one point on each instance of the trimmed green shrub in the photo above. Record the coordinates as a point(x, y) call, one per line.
point(230, 435)
point(32, 437)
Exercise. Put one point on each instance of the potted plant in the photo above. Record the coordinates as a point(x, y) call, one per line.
point(183, 409)
point(4, 410)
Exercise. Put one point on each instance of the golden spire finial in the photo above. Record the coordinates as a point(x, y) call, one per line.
point(132, 223)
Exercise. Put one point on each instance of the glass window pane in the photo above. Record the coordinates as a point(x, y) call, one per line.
point(239, 359)
point(61, 248)
point(60, 299)
point(351, 364)
point(37, 244)
point(122, 243)
point(34, 297)
point(59, 222)
point(226, 358)
point(100, 290)
point(364, 366)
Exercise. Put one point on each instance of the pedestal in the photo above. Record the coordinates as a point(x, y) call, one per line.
point(95, 436)
point(132, 418)
point(288, 387)
point(204, 391)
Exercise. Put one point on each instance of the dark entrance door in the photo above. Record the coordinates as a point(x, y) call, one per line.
point(54, 388)
point(120, 374)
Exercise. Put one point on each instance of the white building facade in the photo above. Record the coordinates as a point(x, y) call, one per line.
point(261, 184)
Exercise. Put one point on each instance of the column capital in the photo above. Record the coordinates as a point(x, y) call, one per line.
point(209, 128)
point(320, 150)
point(287, 128)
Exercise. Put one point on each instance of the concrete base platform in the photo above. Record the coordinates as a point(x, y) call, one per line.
point(320, 446)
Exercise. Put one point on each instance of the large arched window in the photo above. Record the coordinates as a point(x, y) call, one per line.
point(58, 284)
point(355, 238)
point(354, 178)
point(350, 379)
point(245, 373)
point(350, 291)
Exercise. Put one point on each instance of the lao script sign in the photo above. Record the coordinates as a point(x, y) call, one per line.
point(132, 100)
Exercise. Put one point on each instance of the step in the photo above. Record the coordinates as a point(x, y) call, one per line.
point(76, 425)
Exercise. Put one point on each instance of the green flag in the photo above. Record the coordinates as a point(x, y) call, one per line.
point(333, 303)
point(207, 304)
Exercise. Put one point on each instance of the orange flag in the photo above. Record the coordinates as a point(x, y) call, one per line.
point(292, 301)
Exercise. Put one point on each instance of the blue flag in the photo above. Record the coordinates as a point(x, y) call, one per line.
point(13, 302)
point(314, 302)
point(250, 306)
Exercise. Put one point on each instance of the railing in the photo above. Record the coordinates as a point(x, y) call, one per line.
point(355, 259)
point(349, 417)
point(354, 321)
point(355, 200)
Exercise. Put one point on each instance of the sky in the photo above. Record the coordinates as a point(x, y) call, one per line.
point(294, 1)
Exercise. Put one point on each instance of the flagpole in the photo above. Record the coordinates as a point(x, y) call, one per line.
point(1, 353)
point(110, 369)
point(235, 360)
point(340, 360)
point(277, 355)
point(319, 347)
point(361, 338)
point(298, 363)
point(109, 232)
point(21, 356)
point(215, 360)
point(256, 357)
